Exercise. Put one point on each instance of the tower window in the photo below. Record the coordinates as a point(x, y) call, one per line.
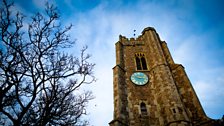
point(140, 61)
point(174, 111)
point(143, 108)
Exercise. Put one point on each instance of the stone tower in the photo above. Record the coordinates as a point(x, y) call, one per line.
point(149, 88)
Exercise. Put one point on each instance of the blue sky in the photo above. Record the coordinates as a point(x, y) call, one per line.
point(193, 30)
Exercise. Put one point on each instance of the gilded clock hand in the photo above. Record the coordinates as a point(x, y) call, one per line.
point(139, 76)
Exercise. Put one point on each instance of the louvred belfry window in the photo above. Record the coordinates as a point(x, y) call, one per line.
point(140, 61)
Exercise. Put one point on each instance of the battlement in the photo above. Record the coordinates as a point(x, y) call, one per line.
point(125, 39)
point(139, 38)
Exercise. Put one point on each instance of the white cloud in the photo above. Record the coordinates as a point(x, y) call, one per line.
point(101, 108)
point(211, 94)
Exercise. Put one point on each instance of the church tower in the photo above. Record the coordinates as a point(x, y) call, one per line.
point(150, 89)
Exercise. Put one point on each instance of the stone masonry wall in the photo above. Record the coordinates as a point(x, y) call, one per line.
point(169, 97)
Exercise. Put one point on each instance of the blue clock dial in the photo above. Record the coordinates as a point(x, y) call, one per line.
point(139, 78)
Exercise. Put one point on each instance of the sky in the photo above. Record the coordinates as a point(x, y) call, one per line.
point(193, 30)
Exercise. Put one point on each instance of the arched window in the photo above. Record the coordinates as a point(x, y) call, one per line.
point(143, 108)
point(144, 66)
point(140, 61)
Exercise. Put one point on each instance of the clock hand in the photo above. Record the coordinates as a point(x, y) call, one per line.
point(139, 76)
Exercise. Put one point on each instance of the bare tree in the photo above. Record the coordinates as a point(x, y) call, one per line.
point(39, 84)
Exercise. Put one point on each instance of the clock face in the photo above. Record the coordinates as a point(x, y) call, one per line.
point(139, 78)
